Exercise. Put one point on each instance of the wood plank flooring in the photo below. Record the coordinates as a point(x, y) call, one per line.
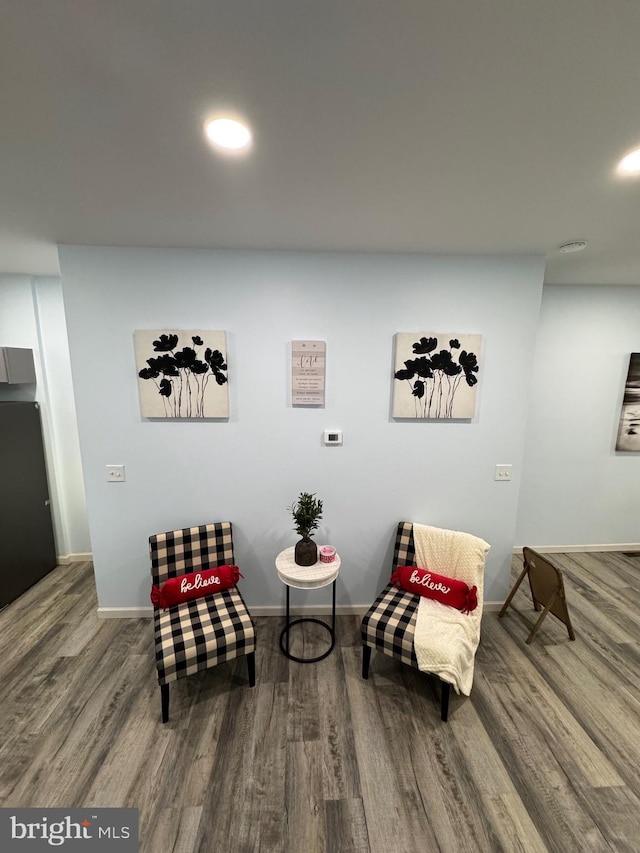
point(544, 755)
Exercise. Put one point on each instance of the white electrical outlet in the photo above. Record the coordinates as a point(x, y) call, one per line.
point(503, 473)
point(115, 474)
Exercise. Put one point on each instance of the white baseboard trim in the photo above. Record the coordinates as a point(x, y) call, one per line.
point(65, 559)
point(124, 612)
point(256, 610)
point(573, 549)
point(267, 610)
point(310, 610)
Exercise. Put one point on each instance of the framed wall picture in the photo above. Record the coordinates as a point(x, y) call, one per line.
point(182, 374)
point(435, 375)
point(629, 428)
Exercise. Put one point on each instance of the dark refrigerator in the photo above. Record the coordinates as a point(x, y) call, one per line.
point(27, 547)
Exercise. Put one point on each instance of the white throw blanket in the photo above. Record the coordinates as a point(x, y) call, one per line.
point(445, 639)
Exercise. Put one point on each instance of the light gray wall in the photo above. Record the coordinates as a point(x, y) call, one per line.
point(63, 425)
point(250, 469)
point(18, 328)
point(576, 489)
point(32, 316)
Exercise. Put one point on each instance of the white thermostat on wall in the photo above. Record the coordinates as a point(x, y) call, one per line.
point(332, 436)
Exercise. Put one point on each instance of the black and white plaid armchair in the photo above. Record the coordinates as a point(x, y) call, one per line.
point(203, 632)
point(389, 624)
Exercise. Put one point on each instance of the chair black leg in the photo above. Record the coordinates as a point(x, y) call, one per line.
point(366, 658)
point(444, 700)
point(164, 696)
point(251, 666)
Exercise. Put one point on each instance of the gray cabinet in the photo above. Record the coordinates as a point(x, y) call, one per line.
point(16, 366)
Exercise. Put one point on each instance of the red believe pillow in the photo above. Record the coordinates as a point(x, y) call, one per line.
point(449, 591)
point(194, 585)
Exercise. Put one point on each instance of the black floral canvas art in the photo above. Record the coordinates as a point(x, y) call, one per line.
point(182, 374)
point(436, 375)
point(629, 429)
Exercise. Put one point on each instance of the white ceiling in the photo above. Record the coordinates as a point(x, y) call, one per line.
point(456, 126)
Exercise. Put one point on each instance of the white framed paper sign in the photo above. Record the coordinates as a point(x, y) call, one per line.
point(308, 363)
point(182, 373)
point(435, 375)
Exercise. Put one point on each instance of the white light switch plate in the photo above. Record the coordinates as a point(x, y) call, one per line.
point(115, 474)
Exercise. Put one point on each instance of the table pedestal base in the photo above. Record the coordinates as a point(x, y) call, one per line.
point(284, 635)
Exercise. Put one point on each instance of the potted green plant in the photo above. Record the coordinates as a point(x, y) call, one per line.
point(306, 512)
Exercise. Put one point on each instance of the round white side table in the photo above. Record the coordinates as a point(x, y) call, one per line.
point(307, 577)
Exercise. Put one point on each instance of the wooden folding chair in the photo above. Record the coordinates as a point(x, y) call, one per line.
point(547, 590)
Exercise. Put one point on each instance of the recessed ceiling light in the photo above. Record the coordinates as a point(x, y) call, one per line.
point(228, 135)
point(630, 163)
point(573, 246)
